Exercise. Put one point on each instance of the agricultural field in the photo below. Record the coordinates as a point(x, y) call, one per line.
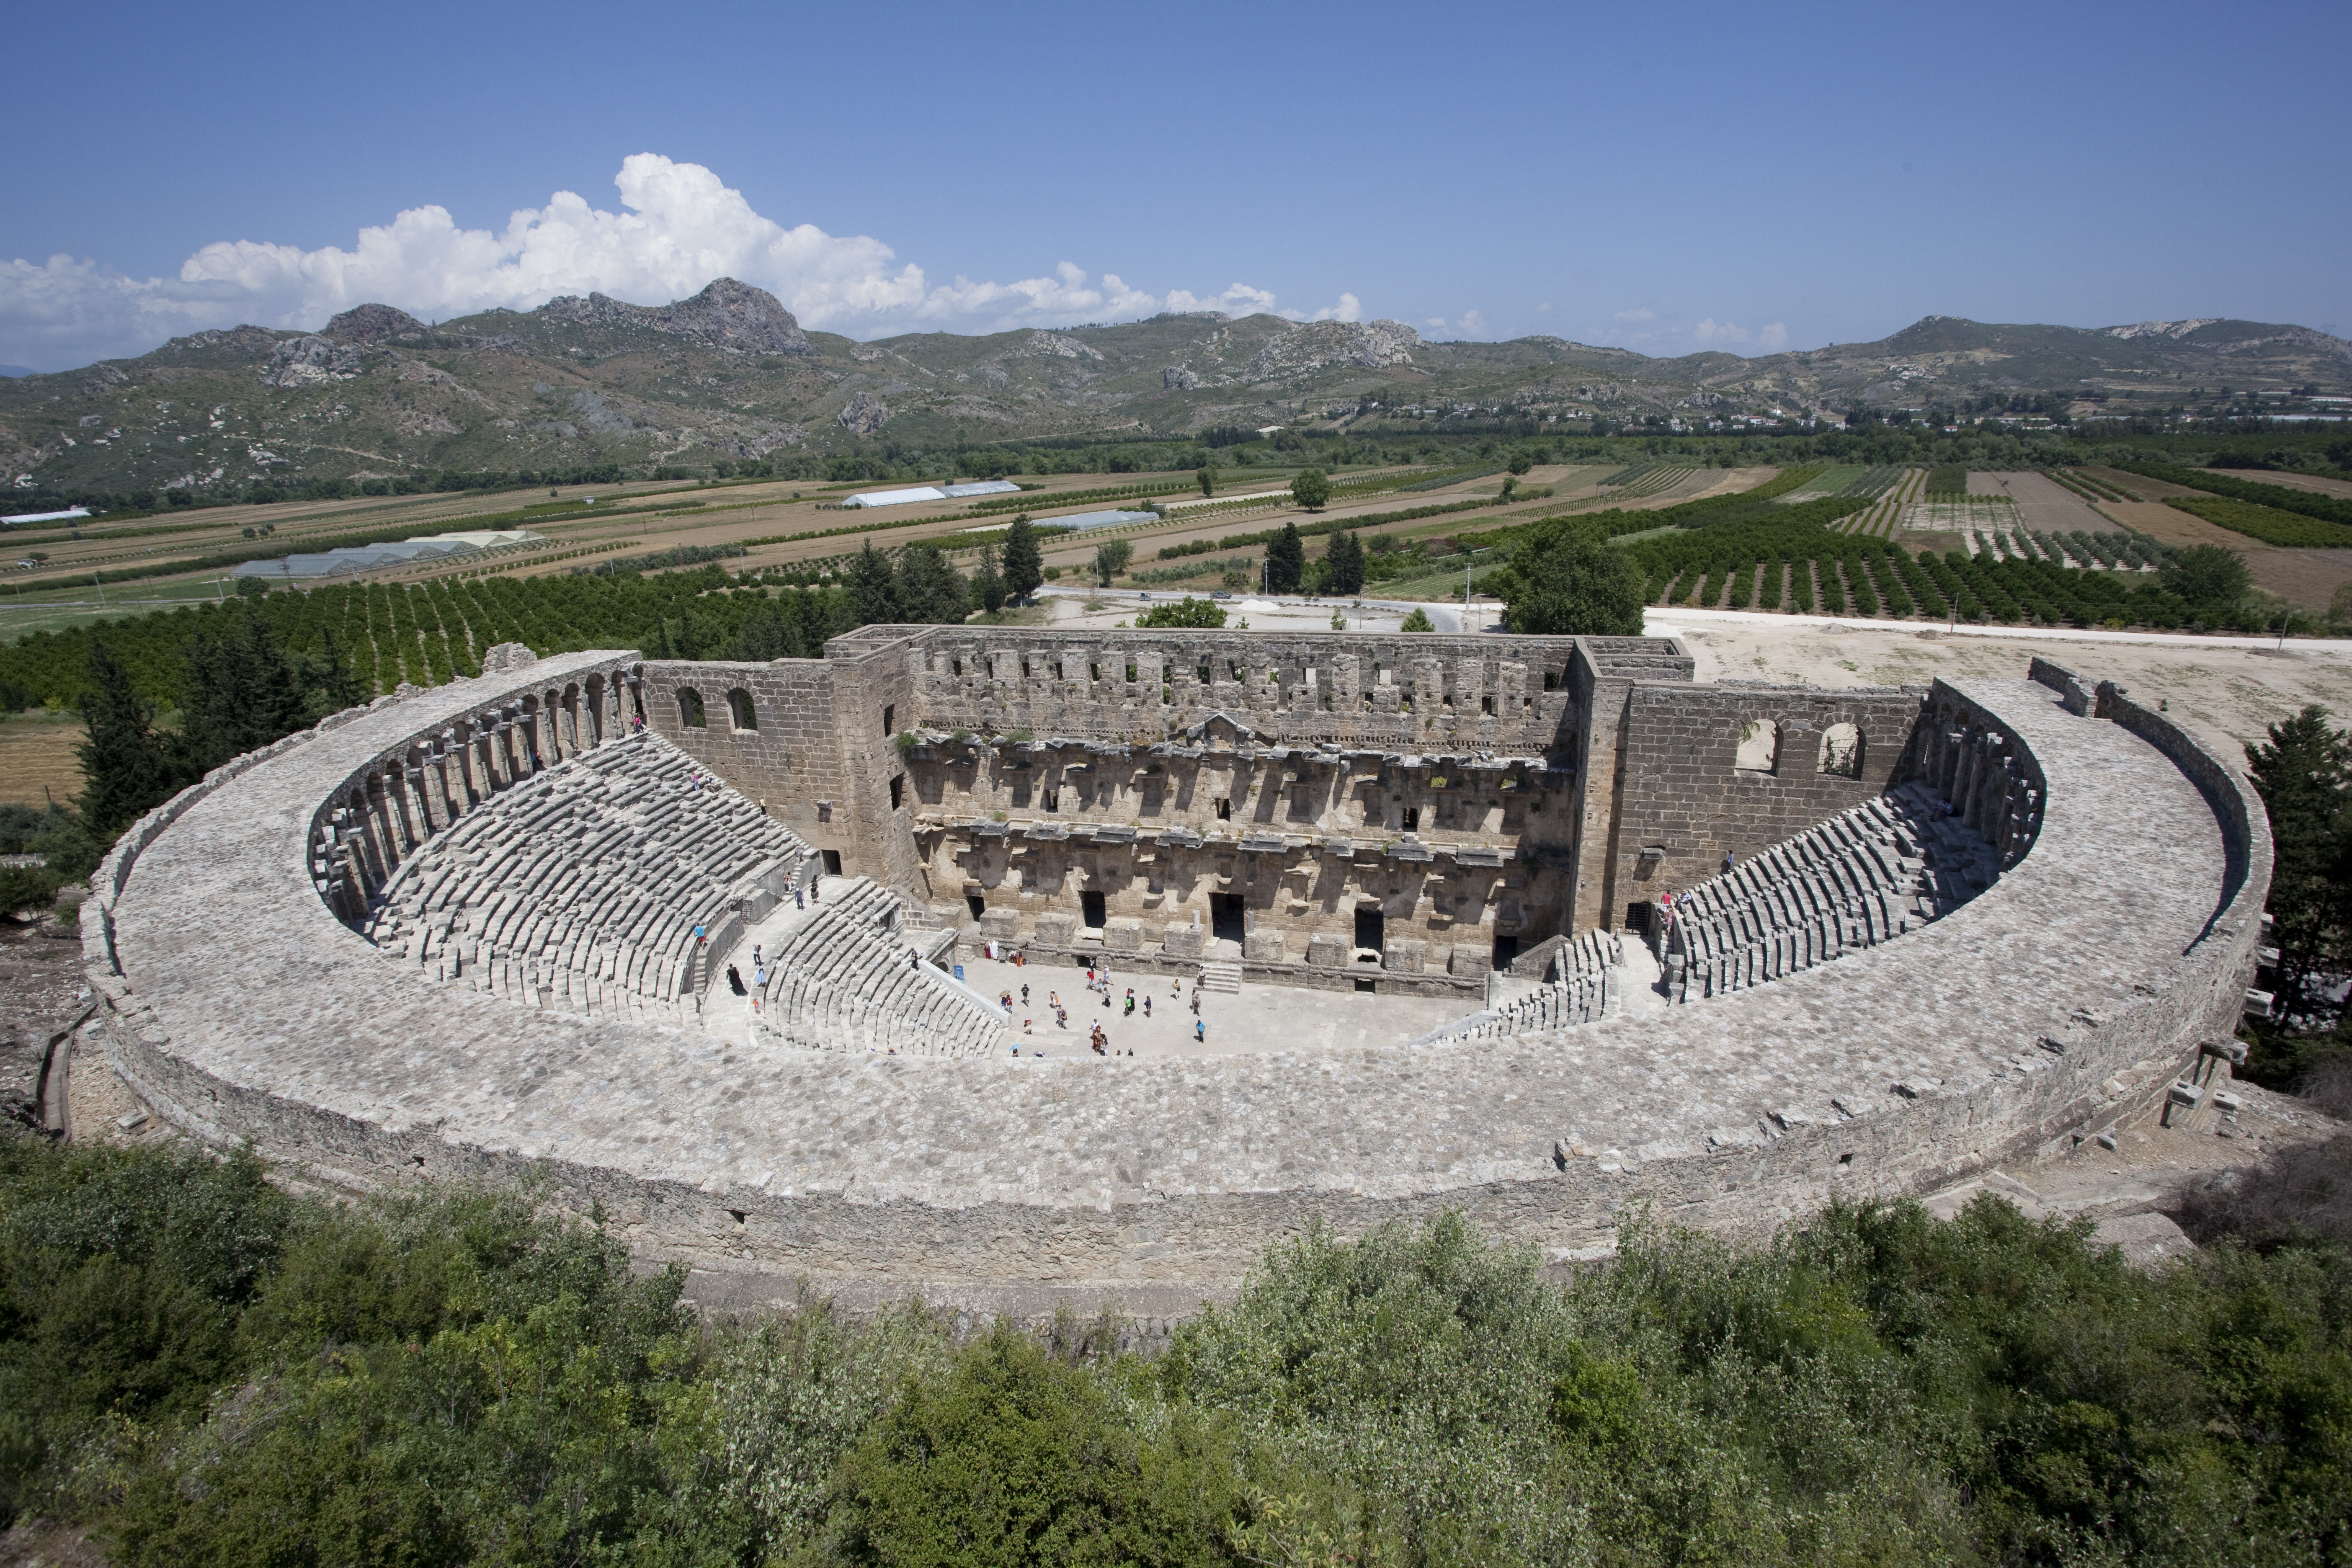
point(1978, 521)
point(37, 760)
point(1889, 491)
point(2042, 503)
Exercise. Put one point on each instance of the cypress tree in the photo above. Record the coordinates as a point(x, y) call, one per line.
point(1286, 561)
point(1024, 565)
point(1346, 563)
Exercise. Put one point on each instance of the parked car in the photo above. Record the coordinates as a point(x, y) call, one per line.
point(1221, 593)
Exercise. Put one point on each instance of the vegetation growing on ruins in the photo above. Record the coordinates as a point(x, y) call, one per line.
point(206, 1370)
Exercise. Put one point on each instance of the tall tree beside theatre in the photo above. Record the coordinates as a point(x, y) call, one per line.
point(1346, 560)
point(1564, 584)
point(929, 589)
point(1025, 563)
point(128, 767)
point(872, 587)
point(1286, 561)
point(2304, 777)
point(239, 689)
point(988, 583)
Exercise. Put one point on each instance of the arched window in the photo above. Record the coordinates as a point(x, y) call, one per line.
point(1759, 746)
point(1841, 750)
point(689, 708)
point(740, 710)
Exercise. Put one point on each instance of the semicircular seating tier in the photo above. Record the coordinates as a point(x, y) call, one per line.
point(1864, 875)
point(585, 887)
point(844, 980)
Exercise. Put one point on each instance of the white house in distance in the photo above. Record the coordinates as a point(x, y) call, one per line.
point(932, 493)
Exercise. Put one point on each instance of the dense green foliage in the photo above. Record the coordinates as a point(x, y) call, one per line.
point(211, 1372)
point(1312, 488)
point(1187, 611)
point(1566, 583)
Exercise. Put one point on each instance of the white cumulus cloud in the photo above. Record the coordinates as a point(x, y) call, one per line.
point(680, 227)
point(1774, 336)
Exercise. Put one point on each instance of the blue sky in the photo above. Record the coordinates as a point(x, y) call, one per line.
point(1737, 176)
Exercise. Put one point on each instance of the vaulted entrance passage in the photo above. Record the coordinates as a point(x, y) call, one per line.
point(1369, 928)
point(1091, 911)
point(1225, 917)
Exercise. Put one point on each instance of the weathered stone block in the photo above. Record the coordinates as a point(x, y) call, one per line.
point(1123, 933)
point(1404, 957)
point(1055, 929)
point(1468, 961)
point(1263, 947)
point(1328, 950)
point(1184, 942)
point(1000, 925)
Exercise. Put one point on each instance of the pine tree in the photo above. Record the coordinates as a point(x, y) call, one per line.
point(1025, 563)
point(127, 767)
point(929, 589)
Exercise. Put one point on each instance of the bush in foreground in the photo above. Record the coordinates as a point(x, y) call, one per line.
point(208, 1370)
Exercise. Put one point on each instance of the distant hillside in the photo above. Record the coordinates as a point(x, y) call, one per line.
point(730, 374)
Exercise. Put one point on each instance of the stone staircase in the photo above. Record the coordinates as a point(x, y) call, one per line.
point(1222, 979)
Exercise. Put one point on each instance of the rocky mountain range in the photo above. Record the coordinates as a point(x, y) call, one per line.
point(730, 374)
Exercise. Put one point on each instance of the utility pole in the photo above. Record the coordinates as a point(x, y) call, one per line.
point(100, 580)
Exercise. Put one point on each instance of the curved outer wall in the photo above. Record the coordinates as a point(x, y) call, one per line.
point(2069, 994)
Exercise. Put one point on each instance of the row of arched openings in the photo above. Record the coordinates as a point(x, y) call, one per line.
point(740, 712)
